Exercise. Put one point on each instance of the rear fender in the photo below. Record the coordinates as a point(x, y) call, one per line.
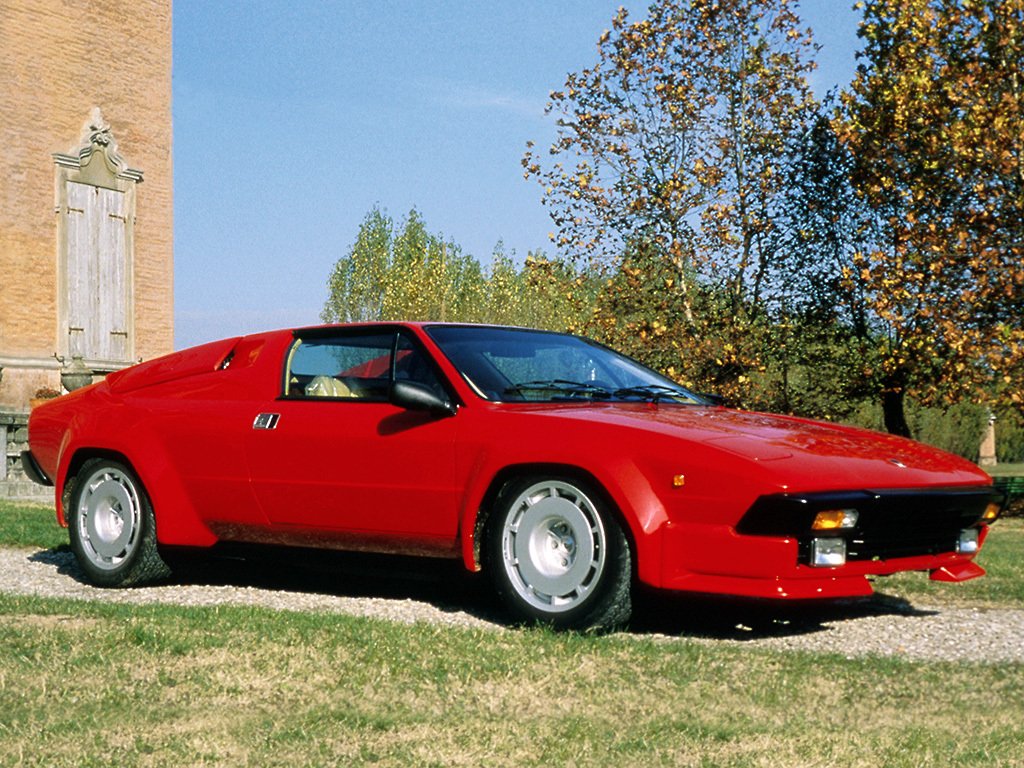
point(177, 521)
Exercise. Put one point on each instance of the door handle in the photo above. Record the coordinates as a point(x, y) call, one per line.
point(266, 421)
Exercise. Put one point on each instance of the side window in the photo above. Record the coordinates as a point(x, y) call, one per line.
point(355, 367)
point(412, 365)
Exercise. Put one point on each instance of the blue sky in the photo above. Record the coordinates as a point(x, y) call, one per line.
point(293, 119)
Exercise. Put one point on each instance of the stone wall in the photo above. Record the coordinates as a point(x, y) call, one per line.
point(13, 482)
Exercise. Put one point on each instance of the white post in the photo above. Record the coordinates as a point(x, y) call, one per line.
point(987, 450)
point(3, 452)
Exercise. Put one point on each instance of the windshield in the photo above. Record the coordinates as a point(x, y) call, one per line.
point(520, 365)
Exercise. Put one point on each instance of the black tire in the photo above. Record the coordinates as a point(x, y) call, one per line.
point(112, 527)
point(557, 556)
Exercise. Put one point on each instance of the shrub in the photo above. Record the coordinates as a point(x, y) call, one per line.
point(957, 429)
point(1009, 437)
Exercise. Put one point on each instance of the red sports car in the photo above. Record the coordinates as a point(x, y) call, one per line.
point(565, 471)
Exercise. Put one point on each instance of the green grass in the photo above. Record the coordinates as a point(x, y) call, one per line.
point(30, 525)
point(1006, 470)
point(91, 684)
point(85, 684)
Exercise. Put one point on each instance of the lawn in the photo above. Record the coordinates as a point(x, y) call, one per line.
point(1006, 470)
point(91, 684)
point(30, 525)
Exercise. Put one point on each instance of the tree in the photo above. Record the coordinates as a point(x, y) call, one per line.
point(678, 135)
point(823, 226)
point(639, 311)
point(408, 274)
point(561, 297)
point(429, 277)
point(669, 172)
point(819, 358)
point(935, 126)
point(503, 297)
point(357, 284)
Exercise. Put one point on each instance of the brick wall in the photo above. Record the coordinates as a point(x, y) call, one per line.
point(59, 59)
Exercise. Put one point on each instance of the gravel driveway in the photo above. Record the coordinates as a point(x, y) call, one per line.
point(881, 625)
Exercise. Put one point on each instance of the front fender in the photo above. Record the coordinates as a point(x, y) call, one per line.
point(657, 483)
point(639, 507)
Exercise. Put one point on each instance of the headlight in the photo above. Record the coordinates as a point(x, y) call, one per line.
point(828, 553)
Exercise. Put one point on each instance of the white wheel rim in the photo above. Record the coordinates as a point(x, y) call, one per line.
point(109, 518)
point(553, 546)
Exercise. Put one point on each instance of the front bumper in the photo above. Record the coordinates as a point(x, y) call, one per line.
point(891, 524)
point(768, 553)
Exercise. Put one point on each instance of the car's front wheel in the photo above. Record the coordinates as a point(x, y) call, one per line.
point(112, 528)
point(558, 556)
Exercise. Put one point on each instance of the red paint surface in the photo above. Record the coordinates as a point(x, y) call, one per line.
point(366, 475)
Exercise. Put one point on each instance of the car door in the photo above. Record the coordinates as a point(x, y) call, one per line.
point(332, 454)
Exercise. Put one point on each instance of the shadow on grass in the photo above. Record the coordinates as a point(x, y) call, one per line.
point(446, 586)
point(729, 618)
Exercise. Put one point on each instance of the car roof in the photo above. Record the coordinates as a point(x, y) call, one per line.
point(421, 324)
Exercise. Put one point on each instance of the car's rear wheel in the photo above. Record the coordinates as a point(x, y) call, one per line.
point(558, 556)
point(112, 528)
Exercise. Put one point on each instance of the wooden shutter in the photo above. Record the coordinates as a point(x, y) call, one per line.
point(97, 273)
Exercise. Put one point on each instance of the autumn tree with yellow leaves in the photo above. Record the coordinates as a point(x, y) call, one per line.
point(881, 248)
point(935, 124)
point(678, 135)
point(673, 148)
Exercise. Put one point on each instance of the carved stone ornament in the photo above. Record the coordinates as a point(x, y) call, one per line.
point(96, 140)
point(76, 375)
point(96, 131)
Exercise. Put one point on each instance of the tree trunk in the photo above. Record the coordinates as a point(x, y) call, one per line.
point(892, 410)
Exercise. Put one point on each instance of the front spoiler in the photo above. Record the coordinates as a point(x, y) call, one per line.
point(957, 572)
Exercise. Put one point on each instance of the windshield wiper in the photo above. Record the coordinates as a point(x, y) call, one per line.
point(652, 392)
point(561, 387)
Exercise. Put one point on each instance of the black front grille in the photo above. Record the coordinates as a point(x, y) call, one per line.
point(891, 523)
point(908, 525)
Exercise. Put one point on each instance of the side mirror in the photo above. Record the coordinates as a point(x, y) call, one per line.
point(416, 397)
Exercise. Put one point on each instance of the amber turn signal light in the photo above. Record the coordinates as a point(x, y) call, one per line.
point(834, 519)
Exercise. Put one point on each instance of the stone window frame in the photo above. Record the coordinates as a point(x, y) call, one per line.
point(97, 163)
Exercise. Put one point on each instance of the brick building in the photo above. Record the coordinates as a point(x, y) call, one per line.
point(86, 219)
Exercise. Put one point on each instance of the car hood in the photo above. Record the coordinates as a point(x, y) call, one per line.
point(799, 452)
